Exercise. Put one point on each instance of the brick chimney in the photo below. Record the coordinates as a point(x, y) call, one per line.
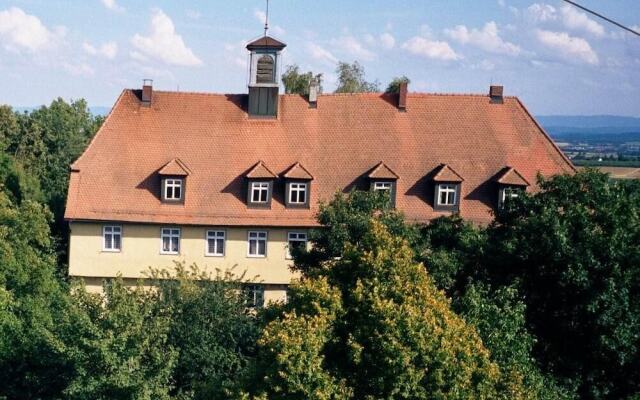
point(495, 93)
point(314, 88)
point(147, 92)
point(402, 96)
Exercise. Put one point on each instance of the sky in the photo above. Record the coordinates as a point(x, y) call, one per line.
point(556, 58)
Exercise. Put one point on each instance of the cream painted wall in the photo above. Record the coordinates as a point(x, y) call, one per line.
point(141, 249)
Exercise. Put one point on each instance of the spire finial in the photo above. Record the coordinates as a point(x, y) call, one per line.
point(266, 20)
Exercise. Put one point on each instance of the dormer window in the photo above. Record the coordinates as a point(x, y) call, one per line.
point(259, 186)
point(298, 186)
point(382, 178)
point(511, 184)
point(173, 177)
point(447, 188)
point(173, 189)
point(260, 192)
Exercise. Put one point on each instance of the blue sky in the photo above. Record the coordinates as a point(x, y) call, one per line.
point(556, 58)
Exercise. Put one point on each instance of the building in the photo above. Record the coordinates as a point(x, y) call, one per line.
point(228, 180)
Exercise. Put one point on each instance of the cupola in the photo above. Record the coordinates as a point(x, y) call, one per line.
point(263, 76)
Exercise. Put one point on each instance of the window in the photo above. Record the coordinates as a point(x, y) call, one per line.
point(111, 238)
point(254, 295)
point(447, 194)
point(215, 243)
point(170, 240)
point(173, 189)
point(260, 192)
point(509, 192)
point(296, 240)
point(382, 186)
point(257, 244)
point(264, 73)
point(297, 193)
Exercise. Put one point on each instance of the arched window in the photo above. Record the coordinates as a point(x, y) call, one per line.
point(264, 73)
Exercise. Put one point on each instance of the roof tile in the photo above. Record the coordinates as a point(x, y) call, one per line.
point(174, 167)
point(260, 171)
point(381, 171)
point(445, 173)
point(297, 171)
point(511, 176)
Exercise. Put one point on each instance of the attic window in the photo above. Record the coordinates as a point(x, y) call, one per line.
point(172, 189)
point(260, 192)
point(265, 69)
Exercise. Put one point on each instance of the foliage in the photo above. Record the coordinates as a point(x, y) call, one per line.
point(351, 79)
point(573, 251)
point(122, 350)
point(394, 85)
point(211, 329)
point(373, 325)
point(296, 82)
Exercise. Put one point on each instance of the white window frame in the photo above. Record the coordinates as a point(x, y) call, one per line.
point(114, 230)
point(383, 185)
point(295, 237)
point(260, 186)
point(452, 192)
point(170, 232)
point(259, 236)
point(173, 183)
point(298, 187)
point(215, 234)
point(252, 289)
point(509, 192)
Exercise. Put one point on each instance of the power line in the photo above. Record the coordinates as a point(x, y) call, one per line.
point(602, 16)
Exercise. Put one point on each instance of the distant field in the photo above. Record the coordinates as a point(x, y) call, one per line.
point(620, 172)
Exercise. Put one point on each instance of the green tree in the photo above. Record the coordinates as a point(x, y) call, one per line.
point(121, 347)
point(573, 250)
point(373, 325)
point(351, 79)
point(296, 82)
point(394, 85)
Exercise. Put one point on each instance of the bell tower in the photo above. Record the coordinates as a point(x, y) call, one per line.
point(263, 76)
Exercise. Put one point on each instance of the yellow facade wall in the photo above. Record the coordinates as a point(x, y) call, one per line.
point(141, 246)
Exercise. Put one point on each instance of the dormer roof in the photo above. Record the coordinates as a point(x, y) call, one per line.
point(260, 171)
point(511, 176)
point(381, 171)
point(174, 167)
point(266, 42)
point(445, 173)
point(297, 171)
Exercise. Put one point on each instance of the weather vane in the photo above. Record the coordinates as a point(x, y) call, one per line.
point(266, 20)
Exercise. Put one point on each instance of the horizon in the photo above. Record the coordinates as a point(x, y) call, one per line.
point(557, 59)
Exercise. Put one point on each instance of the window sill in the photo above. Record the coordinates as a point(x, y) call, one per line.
point(110, 251)
point(170, 253)
point(256, 256)
point(214, 255)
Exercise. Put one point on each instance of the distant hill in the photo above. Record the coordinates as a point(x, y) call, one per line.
point(596, 128)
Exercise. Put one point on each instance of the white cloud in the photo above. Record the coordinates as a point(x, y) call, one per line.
point(353, 47)
point(163, 43)
point(320, 53)
point(237, 53)
point(428, 48)
point(22, 31)
point(484, 65)
point(276, 29)
point(108, 50)
point(502, 3)
point(387, 40)
point(488, 39)
point(538, 12)
point(81, 69)
point(574, 19)
point(112, 5)
point(569, 46)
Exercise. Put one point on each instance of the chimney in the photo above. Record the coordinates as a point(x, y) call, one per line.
point(402, 96)
point(147, 91)
point(313, 93)
point(495, 93)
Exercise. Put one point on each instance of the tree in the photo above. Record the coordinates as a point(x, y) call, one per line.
point(394, 85)
point(121, 347)
point(296, 82)
point(572, 250)
point(351, 79)
point(371, 324)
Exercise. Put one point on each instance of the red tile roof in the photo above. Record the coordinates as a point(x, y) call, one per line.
point(339, 141)
point(260, 171)
point(445, 173)
point(297, 171)
point(266, 41)
point(511, 176)
point(381, 171)
point(174, 167)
